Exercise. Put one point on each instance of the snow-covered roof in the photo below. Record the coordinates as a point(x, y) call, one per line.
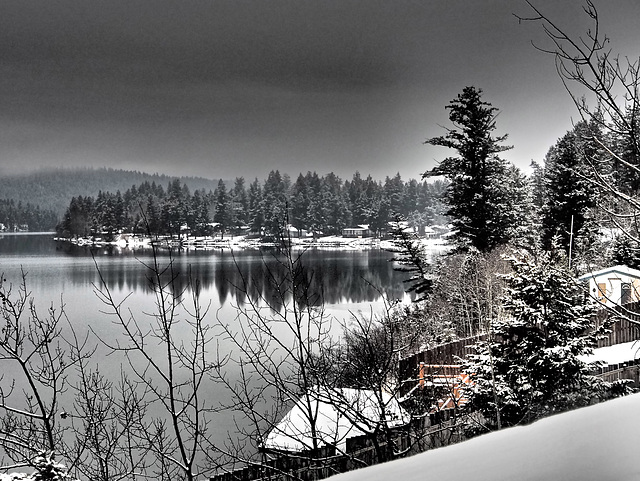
point(358, 227)
point(616, 270)
point(341, 414)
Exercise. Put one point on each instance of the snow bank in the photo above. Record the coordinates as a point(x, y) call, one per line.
point(616, 354)
point(595, 443)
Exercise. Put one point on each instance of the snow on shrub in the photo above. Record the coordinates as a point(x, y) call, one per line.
point(47, 469)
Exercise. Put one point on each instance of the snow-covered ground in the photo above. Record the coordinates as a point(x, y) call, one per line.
point(617, 354)
point(598, 443)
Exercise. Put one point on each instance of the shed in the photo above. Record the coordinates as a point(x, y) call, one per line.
point(614, 286)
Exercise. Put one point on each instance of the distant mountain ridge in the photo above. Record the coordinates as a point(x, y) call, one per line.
point(54, 188)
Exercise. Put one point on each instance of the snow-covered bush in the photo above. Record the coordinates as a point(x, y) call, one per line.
point(530, 366)
point(47, 469)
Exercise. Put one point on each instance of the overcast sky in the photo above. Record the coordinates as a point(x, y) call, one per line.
point(226, 88)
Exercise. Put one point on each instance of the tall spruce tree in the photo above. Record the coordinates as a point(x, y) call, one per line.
point(538, 188)
point(224, 211)
point(256, 201)
point(570, 193)
point(275, 202)
point(478, 196)
point(240, 204)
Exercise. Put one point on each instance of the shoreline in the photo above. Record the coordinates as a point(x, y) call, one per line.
point(136, 241)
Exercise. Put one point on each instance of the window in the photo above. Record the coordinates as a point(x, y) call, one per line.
point(625, 298)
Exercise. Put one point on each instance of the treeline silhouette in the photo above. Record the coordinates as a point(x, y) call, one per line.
point(317, 204)
point(16, 216)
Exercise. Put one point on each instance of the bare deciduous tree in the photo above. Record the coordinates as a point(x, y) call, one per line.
point(107, 422)
point(37, 362)
point(604, 88)
point(170, 356)
point(277, 341)
point(367, 360)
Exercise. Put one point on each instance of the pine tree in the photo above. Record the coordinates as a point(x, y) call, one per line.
point(478, 193)
point(275, 197)
point(300, 200)
point(173, 212)
point(240, 204)
point(411, 259)
point(256, 215)
point(569, 193)
point(538, 188)
point(199, 220)
point(223, 215)
point(394, 192)
point(153, 216)
point(337, 209)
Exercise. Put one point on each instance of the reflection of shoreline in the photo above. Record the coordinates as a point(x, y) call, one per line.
point(339, 276)
point(135, 241)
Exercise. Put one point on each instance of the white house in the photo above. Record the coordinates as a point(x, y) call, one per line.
point(617, 285)
point(341, 413)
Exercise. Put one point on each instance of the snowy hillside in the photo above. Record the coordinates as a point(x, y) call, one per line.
point(595, 443)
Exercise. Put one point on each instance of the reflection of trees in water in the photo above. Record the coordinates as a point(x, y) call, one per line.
point(24, 244)
point(338, 276)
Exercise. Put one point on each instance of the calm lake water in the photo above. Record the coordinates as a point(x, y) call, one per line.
point(347, 279)
point(350, 281)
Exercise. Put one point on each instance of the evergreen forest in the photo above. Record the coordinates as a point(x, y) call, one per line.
point(313, 203)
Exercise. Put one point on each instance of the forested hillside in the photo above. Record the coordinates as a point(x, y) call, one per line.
point(52, 190)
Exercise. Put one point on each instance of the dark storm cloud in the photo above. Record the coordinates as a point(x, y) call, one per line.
point(232, 87)
point(130, 81)
point(294, 44)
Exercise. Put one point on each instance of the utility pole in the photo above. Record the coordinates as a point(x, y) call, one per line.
point(570, 241)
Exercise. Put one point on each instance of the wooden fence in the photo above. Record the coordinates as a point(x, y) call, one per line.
point(312, 466)
point(435, 430)
point(625, 328)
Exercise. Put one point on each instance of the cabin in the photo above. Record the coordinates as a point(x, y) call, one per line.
point(335, 422)
point(358, 232)
point(429, 233)
point(613, 286)
point(295, 233)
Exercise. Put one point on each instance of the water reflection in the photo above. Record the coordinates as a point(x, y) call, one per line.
point(340, 276)
point(343, 278)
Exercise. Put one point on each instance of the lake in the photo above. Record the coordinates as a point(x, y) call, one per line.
point(345, 277)
point(59, 272)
